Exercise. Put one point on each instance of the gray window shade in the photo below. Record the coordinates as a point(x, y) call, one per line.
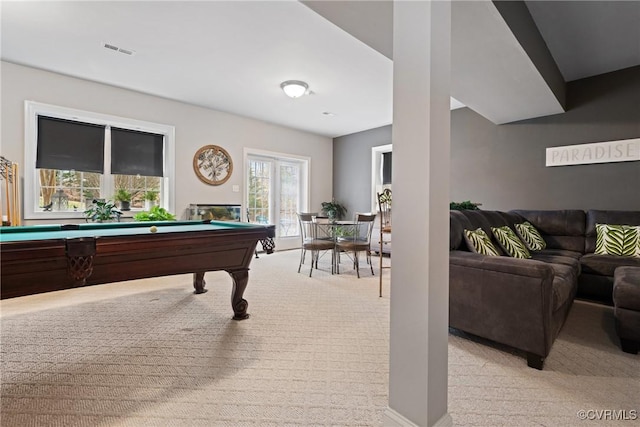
point(136, 153)
point(67, 145)
point(386, 168)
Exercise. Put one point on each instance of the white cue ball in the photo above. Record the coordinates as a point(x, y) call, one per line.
point(153, 229)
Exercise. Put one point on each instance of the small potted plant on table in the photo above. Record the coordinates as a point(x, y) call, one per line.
point(333, 210)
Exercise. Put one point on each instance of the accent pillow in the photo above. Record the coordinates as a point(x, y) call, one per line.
point(479, 242)
point(530, 236)
point(510, 242)
point(621, 240)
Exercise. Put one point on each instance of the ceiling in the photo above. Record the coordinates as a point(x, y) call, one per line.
point(587, 38)
point(232, 55)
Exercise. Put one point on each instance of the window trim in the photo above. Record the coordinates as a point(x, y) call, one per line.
point(34, 109)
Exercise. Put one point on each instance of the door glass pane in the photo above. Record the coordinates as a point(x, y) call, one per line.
point(259, 190)
point(289, 199)
point(275, 194)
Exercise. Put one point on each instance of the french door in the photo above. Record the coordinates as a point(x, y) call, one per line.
point(276, 191)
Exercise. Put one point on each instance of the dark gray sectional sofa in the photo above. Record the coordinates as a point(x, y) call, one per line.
point(523, 303)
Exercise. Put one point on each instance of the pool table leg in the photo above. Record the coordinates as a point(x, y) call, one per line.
point(198, 283)
point(240, 280)
point(239, 304)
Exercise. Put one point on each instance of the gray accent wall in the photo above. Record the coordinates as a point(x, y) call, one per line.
point(352, 167)
point(503, 166)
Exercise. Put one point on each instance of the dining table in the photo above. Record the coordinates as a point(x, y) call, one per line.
point(337, 231)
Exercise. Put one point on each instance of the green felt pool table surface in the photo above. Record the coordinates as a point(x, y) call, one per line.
point(70, 231)
point(44, 258)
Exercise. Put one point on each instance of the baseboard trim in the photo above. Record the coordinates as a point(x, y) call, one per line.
point(393, 419)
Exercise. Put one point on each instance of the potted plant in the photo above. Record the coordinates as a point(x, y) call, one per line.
point(124, 197)
point(156, 213)
point(150, 198)
point(102, 211)
point(333, 210)
point(466, 205)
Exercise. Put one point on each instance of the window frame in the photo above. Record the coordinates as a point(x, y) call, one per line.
point(34, 109)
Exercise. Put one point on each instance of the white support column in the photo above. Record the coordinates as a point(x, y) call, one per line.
point(420, 272)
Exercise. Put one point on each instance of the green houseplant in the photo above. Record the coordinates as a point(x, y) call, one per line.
point(466, 205)
point(124, 197)
point(102, 211)
point(333, 210)
point(156, 213)
point(151, 195)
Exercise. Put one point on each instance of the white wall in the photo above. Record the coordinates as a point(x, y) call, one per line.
point(194, 127)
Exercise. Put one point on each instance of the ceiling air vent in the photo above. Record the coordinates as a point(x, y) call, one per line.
point(118, 49)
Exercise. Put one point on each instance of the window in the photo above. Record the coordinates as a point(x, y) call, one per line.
point(386, 168)
point(73, 157)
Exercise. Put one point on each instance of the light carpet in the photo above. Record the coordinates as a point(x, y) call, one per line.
point(313, 353)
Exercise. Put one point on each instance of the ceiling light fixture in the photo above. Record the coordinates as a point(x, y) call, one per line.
point(294, 88)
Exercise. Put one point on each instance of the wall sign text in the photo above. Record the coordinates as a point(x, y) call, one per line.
point(626, 150)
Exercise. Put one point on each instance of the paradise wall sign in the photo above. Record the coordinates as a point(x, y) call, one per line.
point(626, 150)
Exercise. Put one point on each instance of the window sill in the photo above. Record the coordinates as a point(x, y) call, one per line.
point(71, 216)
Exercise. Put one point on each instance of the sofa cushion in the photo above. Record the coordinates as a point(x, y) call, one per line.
point(560, 229)
point(621, 240)
point(530, 236)
point(605, 265)
point(558, 259)
point(606, 217)
point(510, 242)
point(484, 220)
point(457, 224)
point(479, 242)
point(626, 289)
point(561, 252)
point(564, 286)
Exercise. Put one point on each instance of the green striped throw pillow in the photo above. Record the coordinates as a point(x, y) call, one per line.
point(530, 236)
point(510, 242)
point(479, 242)
point(621, 240)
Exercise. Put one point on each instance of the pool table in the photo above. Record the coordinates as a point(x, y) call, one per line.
point(43, 258)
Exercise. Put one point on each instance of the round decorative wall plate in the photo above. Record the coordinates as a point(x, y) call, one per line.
point(213, 165)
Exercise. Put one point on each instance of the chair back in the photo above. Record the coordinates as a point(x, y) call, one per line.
point(364, 224)
point(384, 205)
point(307, 226)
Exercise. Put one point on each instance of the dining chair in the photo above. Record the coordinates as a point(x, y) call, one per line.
point(384, 207)
point(311, 242)
point(358, 241)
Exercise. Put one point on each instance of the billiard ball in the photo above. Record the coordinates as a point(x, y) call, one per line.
point(153, 229)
